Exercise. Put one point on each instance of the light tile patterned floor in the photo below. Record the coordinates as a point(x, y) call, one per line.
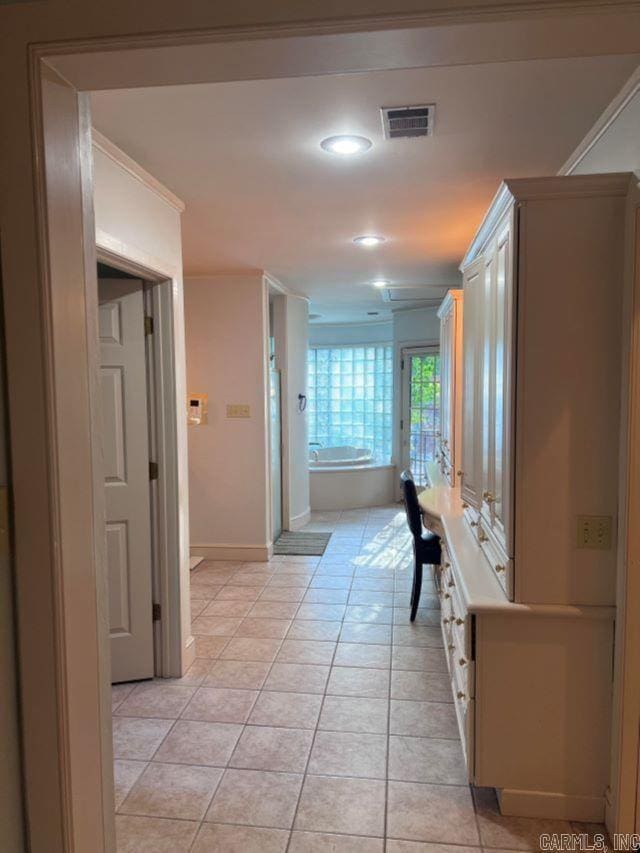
point(315, 717)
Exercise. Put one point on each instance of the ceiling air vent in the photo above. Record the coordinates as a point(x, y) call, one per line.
point(407, 122)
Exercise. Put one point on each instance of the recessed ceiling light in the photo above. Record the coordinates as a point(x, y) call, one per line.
point(368, 240)
point(380, 283)
point(346, 144)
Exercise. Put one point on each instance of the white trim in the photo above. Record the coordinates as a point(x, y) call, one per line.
point(109, 149)
point(351, 323)
point(451, 296)
point(297, 522)
point(529, 189)
point(245, 553)
point(194, 562)
point(547, 804)
point(603, 123)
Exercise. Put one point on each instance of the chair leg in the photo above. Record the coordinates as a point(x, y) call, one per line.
point(417, 586)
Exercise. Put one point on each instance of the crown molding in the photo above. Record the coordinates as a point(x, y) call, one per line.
point(530, 189)
point(451, 296)
point(603, 123)
point(129, 165)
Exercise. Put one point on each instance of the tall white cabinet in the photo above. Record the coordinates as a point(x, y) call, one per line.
point(527, 582)
point(449, 450)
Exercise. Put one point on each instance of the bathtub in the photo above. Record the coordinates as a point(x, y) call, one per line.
point(347, 478)
point(343, 457)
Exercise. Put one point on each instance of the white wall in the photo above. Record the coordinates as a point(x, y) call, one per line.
point(336, 334)
point(291, 331)
point(137, 219)
point(227, 336)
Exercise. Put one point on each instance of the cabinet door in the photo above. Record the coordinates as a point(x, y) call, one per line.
point(445, 389)
point(500, 477)
point(471, 462)
point(484, 426)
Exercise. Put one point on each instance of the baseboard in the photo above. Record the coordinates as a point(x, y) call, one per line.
point(194, 562)
point(297, 522)
point(246, 553)
point(546, 804)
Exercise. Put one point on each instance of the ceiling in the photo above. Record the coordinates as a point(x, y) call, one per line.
point(261, 194)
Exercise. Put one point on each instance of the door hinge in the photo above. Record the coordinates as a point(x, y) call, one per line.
point(402, 364)
point(401, 424)
point(148, 325)
point(156, 612)
point(153, 470)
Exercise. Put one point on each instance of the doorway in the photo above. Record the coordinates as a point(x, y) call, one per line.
point(420, 409)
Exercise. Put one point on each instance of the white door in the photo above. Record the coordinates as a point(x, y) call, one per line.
point(125, 442)
point(420, 409)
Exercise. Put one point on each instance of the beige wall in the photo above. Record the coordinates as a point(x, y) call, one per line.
point(226, 332)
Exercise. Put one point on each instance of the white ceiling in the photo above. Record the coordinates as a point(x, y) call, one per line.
point(261, 194)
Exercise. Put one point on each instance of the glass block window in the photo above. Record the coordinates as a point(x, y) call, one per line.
point(350, 398)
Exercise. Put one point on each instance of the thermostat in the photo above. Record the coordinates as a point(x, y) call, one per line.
point(197, 409)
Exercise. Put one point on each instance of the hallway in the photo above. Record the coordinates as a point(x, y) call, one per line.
point(315, 717)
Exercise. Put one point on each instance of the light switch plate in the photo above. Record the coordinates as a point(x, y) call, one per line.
point(595, 531)
point(238, 410)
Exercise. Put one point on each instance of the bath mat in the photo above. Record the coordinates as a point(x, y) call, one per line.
point(301, 544)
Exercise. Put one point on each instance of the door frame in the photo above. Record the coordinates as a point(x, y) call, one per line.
point(50, 279)
point(622, 801)
point(163, 449)
point(405, 394)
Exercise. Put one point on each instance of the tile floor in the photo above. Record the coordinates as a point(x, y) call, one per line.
point(315, 717)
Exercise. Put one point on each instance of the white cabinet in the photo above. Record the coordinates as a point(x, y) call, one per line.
point(471, 461)
point(531, 684)
point(542, 362)
point(450, 432)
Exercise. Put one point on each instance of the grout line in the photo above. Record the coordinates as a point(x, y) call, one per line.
point(315, 734)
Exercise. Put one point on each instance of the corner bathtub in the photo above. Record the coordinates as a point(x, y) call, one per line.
point(346, 478)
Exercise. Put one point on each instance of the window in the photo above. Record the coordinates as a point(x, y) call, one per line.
point(351, 397)
point(421, 407)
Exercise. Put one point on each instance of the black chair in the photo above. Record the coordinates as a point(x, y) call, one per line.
point(426, 546)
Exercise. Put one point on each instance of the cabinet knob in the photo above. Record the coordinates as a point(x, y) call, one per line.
point(447, 565)
point(451, 647)
point(446, 621)
point(465, 505)
point(482, 536)
point(500, 568)
point(488, 497)
point(445, 442)
point(461, 695)
point(462, 662)
point(474, 523)
point(459, 473)
point(446, 595)
point(451, 583)
point(459, 621)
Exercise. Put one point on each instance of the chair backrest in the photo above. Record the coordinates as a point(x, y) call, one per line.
point(412, 507)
